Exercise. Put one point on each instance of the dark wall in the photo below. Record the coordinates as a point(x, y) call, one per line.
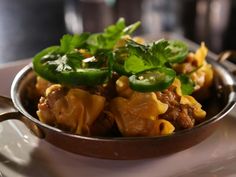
point(27, 26)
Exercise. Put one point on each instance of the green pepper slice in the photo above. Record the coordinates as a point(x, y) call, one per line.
point(178, 51)
point(156, 79)
point(55, 67)
point(87, 77)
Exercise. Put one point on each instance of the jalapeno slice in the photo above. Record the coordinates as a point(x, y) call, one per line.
point(87, 77)
point(56, 68)
point(178, 51)
point(156, 79)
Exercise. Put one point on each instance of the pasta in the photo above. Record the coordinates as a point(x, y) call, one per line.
point(75, 110)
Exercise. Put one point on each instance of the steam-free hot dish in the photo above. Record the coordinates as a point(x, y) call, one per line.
point(113, 84)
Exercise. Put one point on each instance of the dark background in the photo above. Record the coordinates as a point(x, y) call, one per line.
point(28, 26)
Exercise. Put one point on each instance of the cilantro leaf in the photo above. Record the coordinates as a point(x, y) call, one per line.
point(65, 57)
point(138, 57)
point(66, 62)
point(144, 57)
point(70, 42)
point(158, 54)
point(135, 64)
point(187, 85)
point(110, 36)
point(60, 64)
point(159, 51)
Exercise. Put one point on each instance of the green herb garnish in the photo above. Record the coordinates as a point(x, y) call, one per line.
point(148, 66)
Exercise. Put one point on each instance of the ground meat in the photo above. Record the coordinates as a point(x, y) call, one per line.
point(56, 92)
point(181, 116)
point(168, 96)
point(187, 66)
point(46, 104)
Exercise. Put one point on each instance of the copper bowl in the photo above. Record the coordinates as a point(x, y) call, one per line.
point(21, 107)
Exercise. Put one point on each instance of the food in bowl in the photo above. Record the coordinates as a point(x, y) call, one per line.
point(112, 84)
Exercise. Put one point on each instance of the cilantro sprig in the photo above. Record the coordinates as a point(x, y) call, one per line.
point(157, 54)
point(148, 66)
point(110, 36)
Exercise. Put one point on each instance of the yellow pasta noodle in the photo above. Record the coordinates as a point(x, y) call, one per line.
point(200, 54)
point(75, 110)
point(198, 112)
point(122, 87)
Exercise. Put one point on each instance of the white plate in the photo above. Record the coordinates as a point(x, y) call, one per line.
point(24, 155)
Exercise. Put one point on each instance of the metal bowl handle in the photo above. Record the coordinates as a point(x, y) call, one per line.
point(226, 55)
point(229, 55)
point(8, 111)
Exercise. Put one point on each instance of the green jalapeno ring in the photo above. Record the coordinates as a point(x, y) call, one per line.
point(83, 76)
point(156, 79)
point(179, 51)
